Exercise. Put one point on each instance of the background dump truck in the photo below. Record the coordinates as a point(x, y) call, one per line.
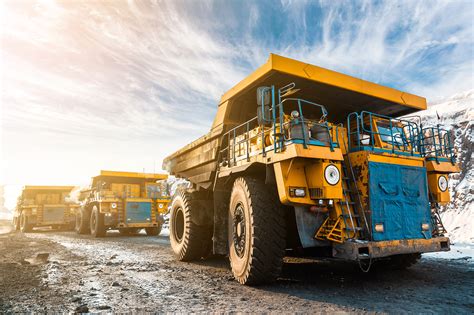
point(44, 206)
point(307, 159)
point(125, 201)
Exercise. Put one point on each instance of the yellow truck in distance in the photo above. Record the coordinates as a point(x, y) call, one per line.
point(40, 206)
point(125, 201)
point(304, 159)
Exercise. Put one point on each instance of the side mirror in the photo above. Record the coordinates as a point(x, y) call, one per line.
point(263, 94)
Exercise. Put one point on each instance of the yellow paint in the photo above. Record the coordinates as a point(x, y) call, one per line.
point(394, 159)
point(442, 167)
point(442, 197)
point(133, 175)
point(329, 77)
point(56, 188)
point(126, 190)
point(306, 174)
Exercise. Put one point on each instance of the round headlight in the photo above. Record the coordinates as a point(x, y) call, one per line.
point(113, 205)
point(160, 206)
point(442, 183)
point(332, 175)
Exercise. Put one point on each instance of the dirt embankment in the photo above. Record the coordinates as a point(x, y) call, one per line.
point(63, 272)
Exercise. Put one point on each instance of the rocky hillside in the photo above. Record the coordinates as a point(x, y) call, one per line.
point(457, 115)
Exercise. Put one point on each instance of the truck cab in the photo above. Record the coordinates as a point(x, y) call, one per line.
point(42, 206)
point(125, 201)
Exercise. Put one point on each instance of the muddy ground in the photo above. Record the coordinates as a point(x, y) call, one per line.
point(63, 272)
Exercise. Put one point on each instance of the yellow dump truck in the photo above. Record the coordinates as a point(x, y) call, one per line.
point(311, 160)
point(126, 201)
point(40, 206)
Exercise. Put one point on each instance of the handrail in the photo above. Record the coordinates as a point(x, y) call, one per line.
point(279, 137)
point(406, 139)
point(437, 141)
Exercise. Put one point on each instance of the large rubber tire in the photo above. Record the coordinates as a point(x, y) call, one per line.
point(189, 241)
point(257, 232)
point(25, 227)
point(16, 223)
point(82, 222)
point(153, 231)
point(398, 262)
point(134, 231)
point(97, 223)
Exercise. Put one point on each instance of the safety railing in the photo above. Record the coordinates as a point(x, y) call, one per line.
point(396, 135)
point(274, 123)
point(435, 143)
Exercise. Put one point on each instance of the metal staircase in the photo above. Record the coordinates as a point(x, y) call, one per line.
point(348, 224)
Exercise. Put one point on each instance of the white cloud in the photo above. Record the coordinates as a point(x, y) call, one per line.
point(90, 85)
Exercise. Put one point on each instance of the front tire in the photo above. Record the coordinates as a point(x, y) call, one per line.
point(82, 222)
point(189, 241)
point(16, 223)
point(25, 226)
point(257, 232)
point(97, 223)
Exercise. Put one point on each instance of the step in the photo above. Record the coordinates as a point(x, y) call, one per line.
point(354, 229)
point(354, 216)
point(348, 202)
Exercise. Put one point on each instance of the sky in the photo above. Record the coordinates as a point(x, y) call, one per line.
point(90, 85)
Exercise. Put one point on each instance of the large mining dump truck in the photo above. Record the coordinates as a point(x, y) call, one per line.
point(305, 160)
point(41, 206)
point(123, 201)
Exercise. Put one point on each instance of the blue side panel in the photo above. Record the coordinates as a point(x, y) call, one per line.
point(138, 212)
point(398, 200)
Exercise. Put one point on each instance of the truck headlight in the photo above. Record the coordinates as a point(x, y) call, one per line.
point(297, 192)
point(113, 205)
point(442, 183)
point(332, 174)
point(160, 206)
point(379, 227)
point(425, 226)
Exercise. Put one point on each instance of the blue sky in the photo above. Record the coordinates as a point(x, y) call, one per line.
point(89, 85)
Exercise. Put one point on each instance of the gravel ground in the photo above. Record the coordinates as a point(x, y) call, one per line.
point(62, 272)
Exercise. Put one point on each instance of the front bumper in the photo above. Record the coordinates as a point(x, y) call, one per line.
point(364, 249)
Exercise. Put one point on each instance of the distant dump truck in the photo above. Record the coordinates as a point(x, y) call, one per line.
point(125, 201)
point(306, 159)
point(40, 206)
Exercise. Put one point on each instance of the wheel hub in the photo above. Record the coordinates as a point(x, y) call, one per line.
point(239, 232)
point(178, 225)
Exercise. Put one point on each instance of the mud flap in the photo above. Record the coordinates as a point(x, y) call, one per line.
point(308, 223)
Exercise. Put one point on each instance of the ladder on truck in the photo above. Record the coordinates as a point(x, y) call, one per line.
point(348, 224)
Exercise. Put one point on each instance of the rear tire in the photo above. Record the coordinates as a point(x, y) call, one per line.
point(16, 223)
point(82, 222)
point(153, 231)
point(25, 227)
point(97, 223)
point(257, 232)
point(189, 241)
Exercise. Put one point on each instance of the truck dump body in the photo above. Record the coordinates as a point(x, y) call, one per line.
point(338, 92)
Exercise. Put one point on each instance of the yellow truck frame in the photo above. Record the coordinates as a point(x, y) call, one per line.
point(307, 159)
point(40, 206)
point(125, 201)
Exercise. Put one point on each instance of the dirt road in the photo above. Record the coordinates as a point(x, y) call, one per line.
point(64, 272)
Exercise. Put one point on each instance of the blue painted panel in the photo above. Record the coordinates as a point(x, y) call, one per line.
point(399, 200)
point(138, 212)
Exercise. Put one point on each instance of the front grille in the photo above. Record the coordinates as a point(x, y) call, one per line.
point(315, 193)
